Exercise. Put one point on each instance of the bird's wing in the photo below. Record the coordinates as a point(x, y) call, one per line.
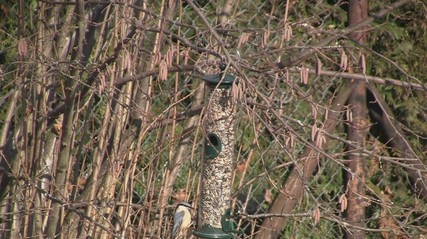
point(177, 220)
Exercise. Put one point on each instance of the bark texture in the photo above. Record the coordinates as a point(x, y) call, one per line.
point(358, 124)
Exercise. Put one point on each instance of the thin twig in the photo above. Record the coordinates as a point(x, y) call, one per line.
point(340, 33)
point(374, 79)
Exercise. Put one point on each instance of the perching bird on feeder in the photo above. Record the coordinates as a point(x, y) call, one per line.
point(181, 220)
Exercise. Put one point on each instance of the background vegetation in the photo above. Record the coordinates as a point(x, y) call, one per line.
point(102, 109)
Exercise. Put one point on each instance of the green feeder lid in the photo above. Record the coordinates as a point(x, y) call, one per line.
point(221, 79)
point(213, 80)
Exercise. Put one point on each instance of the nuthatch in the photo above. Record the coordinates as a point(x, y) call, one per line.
point(181, 220)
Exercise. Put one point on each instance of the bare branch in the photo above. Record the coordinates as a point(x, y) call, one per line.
point(373, 79)
point(338, 34)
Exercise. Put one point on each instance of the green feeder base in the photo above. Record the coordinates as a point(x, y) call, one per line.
point(207, 231)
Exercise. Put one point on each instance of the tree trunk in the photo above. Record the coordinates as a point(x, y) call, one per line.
point(294, 185)
point(357, 130)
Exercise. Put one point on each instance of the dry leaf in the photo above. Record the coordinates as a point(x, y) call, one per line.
point(287, 34)
point(321, 140)
point(349, 115)
point(186, 56)
point(304, 75)
point(101, 84)
point(344, 61)
point(22, 47)
point(287, 141)
point(241, 167)
point(287, 77)
point(292, 141)
point(343, 202)
point(163, 70)
point(301, 75)
point(58, 128)
point(316, 215)
point(313, 132)
point(243, 38)
point(127, 62)
point(280, 110)
point(156, 58)
point(318, 67)
point(362, 63)
point(58, 124)
point(268, 196)
point(314, 111)
point(81, 182)
point(169, 55)
point(180, 195)
point(265, 37)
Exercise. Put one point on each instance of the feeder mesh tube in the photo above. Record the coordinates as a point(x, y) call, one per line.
point(217, 172)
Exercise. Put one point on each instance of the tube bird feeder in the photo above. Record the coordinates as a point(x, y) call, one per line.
point(217, 162)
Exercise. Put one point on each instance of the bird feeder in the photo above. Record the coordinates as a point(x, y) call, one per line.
point(217, 162)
